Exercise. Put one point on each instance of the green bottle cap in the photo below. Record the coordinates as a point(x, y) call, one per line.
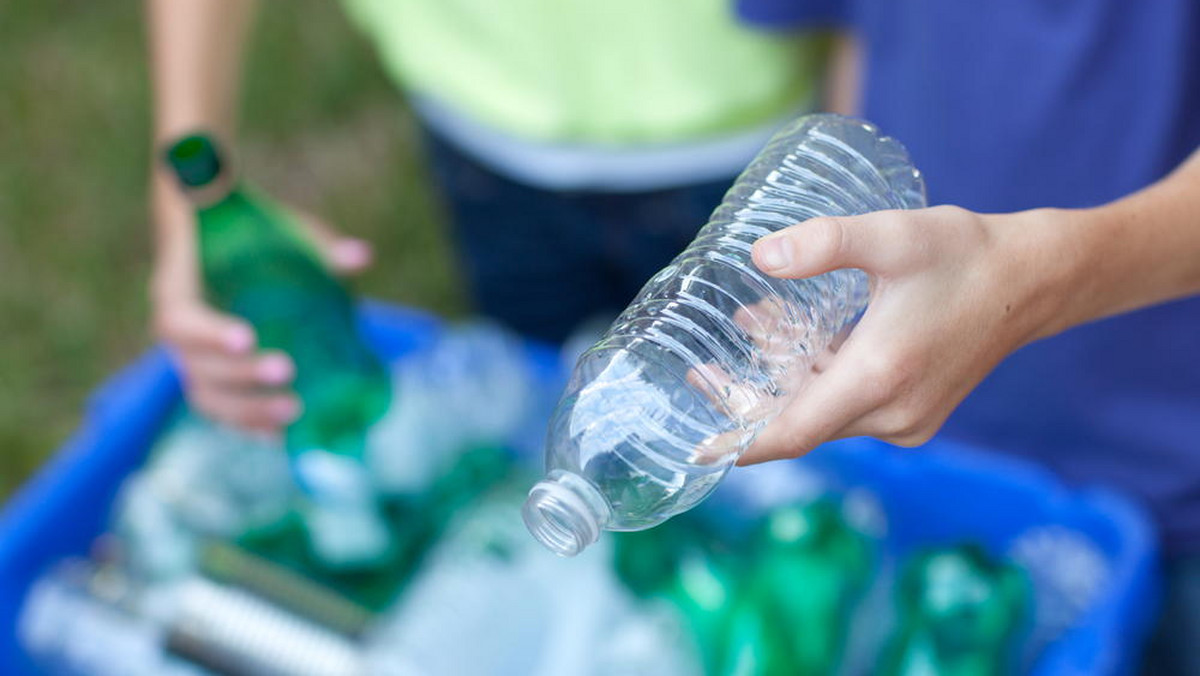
point(195, 160)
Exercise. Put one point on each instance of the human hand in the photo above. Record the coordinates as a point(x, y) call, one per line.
point(225, 376)
point(952, 293)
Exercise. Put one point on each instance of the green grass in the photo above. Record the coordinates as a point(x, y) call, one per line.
point(322, 129)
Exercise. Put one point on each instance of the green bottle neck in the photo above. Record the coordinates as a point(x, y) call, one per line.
point(211, 194)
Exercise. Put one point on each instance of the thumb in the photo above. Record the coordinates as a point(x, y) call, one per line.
point(344, 255)
point(828, 243)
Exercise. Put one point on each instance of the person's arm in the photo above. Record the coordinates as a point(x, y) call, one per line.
point(196, 51)
point(954, 292)
point(843, 80)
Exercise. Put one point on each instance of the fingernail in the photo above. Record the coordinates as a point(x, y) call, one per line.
point(274, 369)
point(773, 253)
point(239, 338)
point(285, 410)
point(351, 253)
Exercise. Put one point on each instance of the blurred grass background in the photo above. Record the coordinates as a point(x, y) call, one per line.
point(322, 128)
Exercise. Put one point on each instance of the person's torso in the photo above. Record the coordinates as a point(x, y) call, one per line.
point(619, 72)
point(1015, 104)
point(1066, 103)
point(1033, 103)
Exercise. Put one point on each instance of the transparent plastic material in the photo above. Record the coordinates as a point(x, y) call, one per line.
point(712, 349)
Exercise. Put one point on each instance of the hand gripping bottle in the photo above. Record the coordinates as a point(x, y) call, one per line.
point(712, 349)
point(258, 265)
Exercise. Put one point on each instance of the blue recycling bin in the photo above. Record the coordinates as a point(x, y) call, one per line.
point(62, 509)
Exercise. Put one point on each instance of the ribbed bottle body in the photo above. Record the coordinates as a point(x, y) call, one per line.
point(712, 349)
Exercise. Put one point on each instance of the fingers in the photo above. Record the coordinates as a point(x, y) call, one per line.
point(344, 255)
point(820, 245)
point(265, 369)
point(819, 412)
point(246, 409)
point(224, 376)
point(770, 327)
point(736, 400)
point(245, 391)
point(195, 326)
point(933, 330)
point(863, 390)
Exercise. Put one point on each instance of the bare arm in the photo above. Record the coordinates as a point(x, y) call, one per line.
point(955, 292)
point(195, 64)
point(1137, 251)
point(843, 85)
point(196, 49)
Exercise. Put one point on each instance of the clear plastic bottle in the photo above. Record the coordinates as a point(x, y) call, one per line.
point(470, 388)
point(83, 619)
point(712, 349)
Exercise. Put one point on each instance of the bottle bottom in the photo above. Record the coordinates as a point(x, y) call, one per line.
point(565, 513)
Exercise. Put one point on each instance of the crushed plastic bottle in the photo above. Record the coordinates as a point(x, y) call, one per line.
point(470, 388)
point(203, 481)
point(520, 610)
point(712, 349)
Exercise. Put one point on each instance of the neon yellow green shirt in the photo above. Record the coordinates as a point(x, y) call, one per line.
point(612, 72)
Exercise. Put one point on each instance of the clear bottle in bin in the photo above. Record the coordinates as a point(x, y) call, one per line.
point(470, 388)
point(97, 620)
point(202, 481)
point(75, 621)
point(712, 349)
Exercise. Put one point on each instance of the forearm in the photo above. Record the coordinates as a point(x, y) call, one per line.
point(844, 76)
point(1135, 252)
point(195, 54)
point(195, 49)
point(955, 292)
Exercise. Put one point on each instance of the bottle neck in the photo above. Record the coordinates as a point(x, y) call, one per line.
point(212, 193)
point(566, 513)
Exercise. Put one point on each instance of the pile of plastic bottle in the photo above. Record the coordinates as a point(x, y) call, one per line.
point(207, 569)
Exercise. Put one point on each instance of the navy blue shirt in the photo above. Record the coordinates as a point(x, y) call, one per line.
point(1014, 104)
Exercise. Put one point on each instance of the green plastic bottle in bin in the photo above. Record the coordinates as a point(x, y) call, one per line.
point(257, 264)
point(779, 603)
point(959, 614)
point(810, 569)
point(674, 562)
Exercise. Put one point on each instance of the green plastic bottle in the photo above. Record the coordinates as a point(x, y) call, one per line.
point(675, 562)
point(810, 570)
point(257, 264)
point(959, 612)
point(778, 604)
point(414, 525)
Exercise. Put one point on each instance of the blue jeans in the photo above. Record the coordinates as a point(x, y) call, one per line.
point(542, 261)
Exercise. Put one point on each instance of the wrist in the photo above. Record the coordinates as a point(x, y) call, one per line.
point(1048, 253)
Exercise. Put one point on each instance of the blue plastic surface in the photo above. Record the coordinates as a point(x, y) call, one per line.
point(61, 510)
point(944, 494)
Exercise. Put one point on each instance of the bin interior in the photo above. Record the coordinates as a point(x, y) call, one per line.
point(61, 510)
